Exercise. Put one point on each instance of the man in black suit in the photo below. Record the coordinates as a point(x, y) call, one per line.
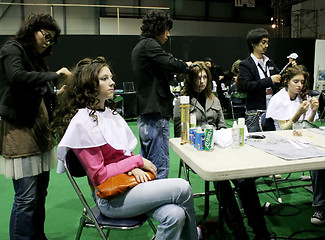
point(153, 69)
point(258, 77)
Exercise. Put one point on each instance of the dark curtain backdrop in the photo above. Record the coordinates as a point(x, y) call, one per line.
point(223, 50)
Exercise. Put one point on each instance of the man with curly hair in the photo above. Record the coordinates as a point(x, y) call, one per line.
point(153, 68)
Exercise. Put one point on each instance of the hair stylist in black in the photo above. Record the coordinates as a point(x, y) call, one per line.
point(26, 143)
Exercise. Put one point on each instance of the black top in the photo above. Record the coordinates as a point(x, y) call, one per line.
point(152, 68)
point(255, 87)
point(24, 80)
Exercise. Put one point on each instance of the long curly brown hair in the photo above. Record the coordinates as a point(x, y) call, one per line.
point(80, 91)
point(190, 82)
point(294, 71)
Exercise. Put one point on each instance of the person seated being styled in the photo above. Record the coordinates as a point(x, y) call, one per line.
point(206, 107)
point(86, 123)
point(292, 104)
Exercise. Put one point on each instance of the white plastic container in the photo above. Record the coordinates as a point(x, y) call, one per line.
point(235, 135)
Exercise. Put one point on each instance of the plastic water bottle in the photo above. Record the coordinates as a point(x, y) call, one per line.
point(192, 120)
point(241, 125)
point(235, 135)
point(185, 118)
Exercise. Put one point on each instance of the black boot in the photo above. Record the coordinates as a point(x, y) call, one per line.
point(229, 210)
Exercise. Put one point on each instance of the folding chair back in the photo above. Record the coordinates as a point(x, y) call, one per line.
point(237, 100)
point(92, 217)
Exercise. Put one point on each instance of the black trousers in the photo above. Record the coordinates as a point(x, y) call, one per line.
point(251, 204)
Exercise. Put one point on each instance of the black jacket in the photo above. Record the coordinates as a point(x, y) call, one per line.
point(23, 83)
point(255, 87)
point(152, 68)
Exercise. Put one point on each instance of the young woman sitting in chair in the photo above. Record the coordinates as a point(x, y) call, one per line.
point(292, 103)
point(86, 122)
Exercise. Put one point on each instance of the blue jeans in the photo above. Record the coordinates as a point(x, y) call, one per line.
point(154, 140)
point(318, 182)
point(252, 121)
point(28, 211)
point(169, 201)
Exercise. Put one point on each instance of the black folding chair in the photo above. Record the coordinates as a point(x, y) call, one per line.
point(92, 217)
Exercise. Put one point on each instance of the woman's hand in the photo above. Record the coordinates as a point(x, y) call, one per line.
point(314, 104)
point(148, 165)
point(303, 107)
point(140, 175)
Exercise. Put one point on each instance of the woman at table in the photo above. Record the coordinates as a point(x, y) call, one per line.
point(292, 102)
point(206, 106)
point(290, 105)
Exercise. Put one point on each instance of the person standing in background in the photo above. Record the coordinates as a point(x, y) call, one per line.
point(26, 142)
point(258, 77)
point(153, 68)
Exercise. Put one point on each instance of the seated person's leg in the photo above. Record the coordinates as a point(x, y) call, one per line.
point(251, 203)
point(230, 209)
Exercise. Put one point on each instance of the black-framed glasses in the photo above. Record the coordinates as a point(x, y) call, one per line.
point(47, 36)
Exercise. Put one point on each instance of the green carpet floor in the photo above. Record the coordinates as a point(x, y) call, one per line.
point(63, 209)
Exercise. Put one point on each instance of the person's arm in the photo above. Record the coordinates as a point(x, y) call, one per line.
point(314, 104)
point(248, 81)
point(287, 124)
point(92, 161)
point(12, 59)
point(158, 55)
point(220, 120)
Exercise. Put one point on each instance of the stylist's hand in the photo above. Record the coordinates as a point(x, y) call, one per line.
point(64, 71)
point(61, 90)
point(276, 78)
point(303, 107)
point(140, 175)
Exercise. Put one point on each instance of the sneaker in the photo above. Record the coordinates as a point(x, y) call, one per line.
point(208, 228)
point(318, 218)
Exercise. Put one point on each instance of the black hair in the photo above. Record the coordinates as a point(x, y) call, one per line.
point(34, 23)
point(155, 23)
point(255, 36)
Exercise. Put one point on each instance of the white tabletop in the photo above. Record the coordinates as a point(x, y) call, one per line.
point(246, 161)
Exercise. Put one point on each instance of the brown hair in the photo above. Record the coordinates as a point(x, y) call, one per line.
point(294, 71)
point(81, 91)
point(190, 82)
